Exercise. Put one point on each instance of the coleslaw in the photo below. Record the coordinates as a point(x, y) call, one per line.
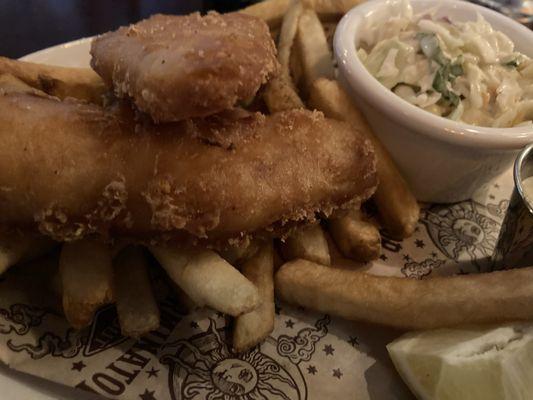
point(464, 71)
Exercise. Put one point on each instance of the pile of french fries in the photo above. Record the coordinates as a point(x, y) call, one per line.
point(303, 30)
point(241, 281)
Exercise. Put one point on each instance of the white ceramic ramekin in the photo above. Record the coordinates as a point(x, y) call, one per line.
point(443, 161)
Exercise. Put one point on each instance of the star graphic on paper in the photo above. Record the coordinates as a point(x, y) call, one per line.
point(152, 372)
point(289, 323)
point(491, 196)
point(194, 325)
point(353, 341)
point(328, 349)
point(337, 373)
point(434, 255)
point(147, 395)
point(420, 243)
point(78, 366)
point(406, 257)
point(220, 315)
point(417, 229)
point(384, 257)
point(312, 370)
point(496, 186)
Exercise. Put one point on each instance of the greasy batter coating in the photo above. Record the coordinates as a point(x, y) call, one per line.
point(177, 67)
point(71, 169)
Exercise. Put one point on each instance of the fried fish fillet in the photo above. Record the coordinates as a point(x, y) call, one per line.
point(177, 67)
point(72, 169)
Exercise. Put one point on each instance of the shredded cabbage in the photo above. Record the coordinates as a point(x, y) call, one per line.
point(465, 71)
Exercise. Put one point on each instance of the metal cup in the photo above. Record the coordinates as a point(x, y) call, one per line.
point(515, 244)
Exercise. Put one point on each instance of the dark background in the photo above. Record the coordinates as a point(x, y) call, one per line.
point(30, 25)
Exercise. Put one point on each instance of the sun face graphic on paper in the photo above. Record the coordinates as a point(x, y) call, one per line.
point(202, 367)
point(234, 376)
point(461, 229)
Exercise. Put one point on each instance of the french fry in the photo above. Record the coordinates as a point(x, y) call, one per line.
point(87, 280)
point(62, 82)
point(280, 93)
point(137, 309)
point(34, 282)
point(251, 328)
point(289, 28)
point(185, 303)
point(397, 206)
point(220, 285)
point(274, 33)
point(409, 303)
point(356, 238)
point(329, 31)
point(56, 287)
point(331, 9)
point(317, 60)
point(46, 272)
point(209, 280)
point(118, 246)
point(295, 67)
point(240, 252)
point(11, 84)
point(271, 11)
point(16, 247)
point(278, 261)
point(308, 243)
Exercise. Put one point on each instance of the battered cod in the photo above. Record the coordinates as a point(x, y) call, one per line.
point(178, 67)
point(71, 169)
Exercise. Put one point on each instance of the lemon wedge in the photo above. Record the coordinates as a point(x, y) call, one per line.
point(485, 363)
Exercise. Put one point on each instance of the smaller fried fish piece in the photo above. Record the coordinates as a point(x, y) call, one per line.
point(178, 67)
